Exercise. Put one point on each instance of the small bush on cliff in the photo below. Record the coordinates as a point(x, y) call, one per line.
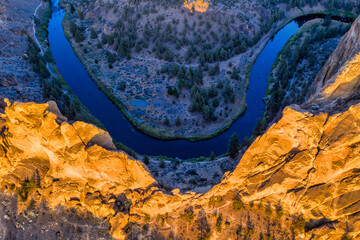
point(346, 237)
point(250, 232)
point(162, 218)
point(214, 200)
point(238, 204)
point(26, 187)
point(147, 218)
point(188, 215)
point(268, 209)
point(279, 211)
point(299, 223)
point(219, 221)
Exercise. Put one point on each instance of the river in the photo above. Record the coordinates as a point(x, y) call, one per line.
point(120, 128)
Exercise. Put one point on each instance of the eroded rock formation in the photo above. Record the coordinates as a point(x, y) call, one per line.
point(68, 164)
point(336, 79)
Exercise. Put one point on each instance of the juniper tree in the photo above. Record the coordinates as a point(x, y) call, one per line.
point(234, 146)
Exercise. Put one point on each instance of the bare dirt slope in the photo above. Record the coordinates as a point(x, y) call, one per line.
point(17, 79)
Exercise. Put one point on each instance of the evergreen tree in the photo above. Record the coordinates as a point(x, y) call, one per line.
point(93, 34)
point(73, 28)
point(72, 8)
point(146, 160)
point(166, 121)
point(235, 74)
point(98, 45)
point(79, 36)
point(177, 121)
point(212, 156)
point(234, 146)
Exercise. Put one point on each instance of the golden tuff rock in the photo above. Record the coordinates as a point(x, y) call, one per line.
point(197, 5)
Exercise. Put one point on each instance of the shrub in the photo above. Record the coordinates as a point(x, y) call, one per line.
point(238, 204)
point(177, 121)
point(298, 223)
point(193, 181)
point(268, 209)
point(346, 237)
point(79, 36)
point(235, 74)
point(214, 200)
point(93, 34)
point(162, 164)
point(26, 187)
point(188, 215)
point(145, 227)
point(122, 86)
point(146, 160)
point(219, 221)
point(279, 211)
point(212, 156)
point(38, 62)
point(250, 232)
point(147, 218)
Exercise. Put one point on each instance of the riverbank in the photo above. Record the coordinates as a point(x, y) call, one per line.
point(150, 121)
point(122, 130)
point(151, 131)
point(264, 122)
point(173, 132)
point(56, 85)
point(312, 44)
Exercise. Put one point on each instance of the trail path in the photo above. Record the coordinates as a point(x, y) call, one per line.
point(34, 31)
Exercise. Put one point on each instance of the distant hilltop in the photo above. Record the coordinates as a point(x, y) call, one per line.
point(197, 5)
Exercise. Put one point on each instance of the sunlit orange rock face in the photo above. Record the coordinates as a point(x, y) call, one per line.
point(75, 164)
point(197, 5)
point(335, 79)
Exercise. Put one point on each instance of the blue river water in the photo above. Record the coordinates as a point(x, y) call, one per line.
point(120, 128)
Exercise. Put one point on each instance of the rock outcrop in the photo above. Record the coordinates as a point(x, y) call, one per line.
point(310, 163)
point(68, 164)
point(330, 83)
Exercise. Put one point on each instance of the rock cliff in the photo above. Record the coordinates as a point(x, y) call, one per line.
point(337, 79)
point(45, 158)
